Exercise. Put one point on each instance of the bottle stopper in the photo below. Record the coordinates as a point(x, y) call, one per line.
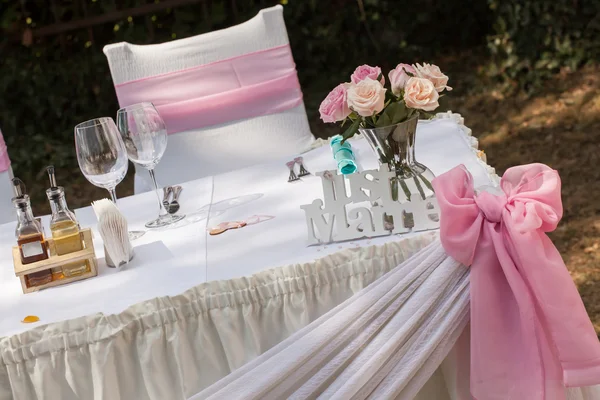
point(52, 176)
point(54, 191)
point(18, 188)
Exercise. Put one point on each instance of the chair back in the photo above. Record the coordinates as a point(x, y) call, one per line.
point(6, 209)
point(230, 98)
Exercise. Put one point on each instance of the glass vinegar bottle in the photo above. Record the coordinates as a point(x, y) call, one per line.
point(30, 237)
point(65, 231)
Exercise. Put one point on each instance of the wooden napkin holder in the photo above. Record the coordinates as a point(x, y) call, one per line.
point(55, 260)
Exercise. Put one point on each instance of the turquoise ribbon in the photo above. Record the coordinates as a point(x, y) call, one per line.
point(343, 155)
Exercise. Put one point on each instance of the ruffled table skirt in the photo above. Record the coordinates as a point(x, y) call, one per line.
point(183, 346)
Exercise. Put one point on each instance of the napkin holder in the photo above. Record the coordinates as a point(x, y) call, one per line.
point(54, 261)
point(112, 226)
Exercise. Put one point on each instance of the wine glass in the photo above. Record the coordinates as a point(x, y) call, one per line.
point(145, 136)
point(102, 157)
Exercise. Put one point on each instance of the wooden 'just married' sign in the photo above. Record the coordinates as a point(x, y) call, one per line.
point(361, 205)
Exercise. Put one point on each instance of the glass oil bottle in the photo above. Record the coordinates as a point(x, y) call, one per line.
point(65, 231)
point(30, 236)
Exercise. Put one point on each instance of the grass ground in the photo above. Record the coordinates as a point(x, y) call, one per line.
point(559, 125)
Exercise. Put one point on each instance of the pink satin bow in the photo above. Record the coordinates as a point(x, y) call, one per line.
point(530, 334)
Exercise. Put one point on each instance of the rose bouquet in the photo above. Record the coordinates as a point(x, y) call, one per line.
point(414, 92)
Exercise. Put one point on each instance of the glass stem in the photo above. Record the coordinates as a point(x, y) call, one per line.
point(113, 194)
point(161, 209)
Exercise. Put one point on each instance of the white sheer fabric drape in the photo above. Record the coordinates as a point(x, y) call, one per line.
point(402, 337)
point(384, 342)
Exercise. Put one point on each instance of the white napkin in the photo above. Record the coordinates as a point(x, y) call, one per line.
point(112, 226)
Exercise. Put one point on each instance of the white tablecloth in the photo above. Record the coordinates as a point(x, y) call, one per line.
point(173, 347)
point(167, 262)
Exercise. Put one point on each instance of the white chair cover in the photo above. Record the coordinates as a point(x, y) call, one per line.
point(7, 213)
point(209, 151)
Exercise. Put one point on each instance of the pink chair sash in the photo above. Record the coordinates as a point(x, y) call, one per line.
point(260, 83)
point(530, 333)
point(4, 160)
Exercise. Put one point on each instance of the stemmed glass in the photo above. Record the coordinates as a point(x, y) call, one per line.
point(145, 136)
point(102, 157)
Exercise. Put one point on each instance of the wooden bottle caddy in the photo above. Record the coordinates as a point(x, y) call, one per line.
point(55, 260)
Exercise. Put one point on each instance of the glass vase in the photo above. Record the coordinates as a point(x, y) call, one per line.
point(395, 145)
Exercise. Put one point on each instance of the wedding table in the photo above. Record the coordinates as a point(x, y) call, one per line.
point(170, 261)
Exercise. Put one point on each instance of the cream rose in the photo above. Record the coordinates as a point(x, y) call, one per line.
point(420, 93)
point(398, 77)
point(367, 97)
point(434, 74)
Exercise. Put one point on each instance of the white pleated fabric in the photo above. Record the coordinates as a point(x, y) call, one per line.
point(174, 347)
point(210, 151)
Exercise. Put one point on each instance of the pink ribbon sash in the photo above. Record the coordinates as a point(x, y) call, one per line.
point(4, 160)
point(260, 83)
point(530, 334)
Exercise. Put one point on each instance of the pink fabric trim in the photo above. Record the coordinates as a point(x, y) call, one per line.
point(260, 83)
point(530, 334)
point(198, 67)
point(4, 160)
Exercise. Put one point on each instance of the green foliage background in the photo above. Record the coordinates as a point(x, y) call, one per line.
point(531, 40)
point(55, 82)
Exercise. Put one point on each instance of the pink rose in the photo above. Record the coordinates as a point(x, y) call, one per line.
point(367, 97)
point(398, 77)
point(366, 71)
point(334, 108)
point(433, 73)
point(420, 93)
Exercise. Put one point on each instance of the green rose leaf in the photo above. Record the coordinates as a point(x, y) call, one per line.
point(384, 120)
point(351, 131)
point(394, 113)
